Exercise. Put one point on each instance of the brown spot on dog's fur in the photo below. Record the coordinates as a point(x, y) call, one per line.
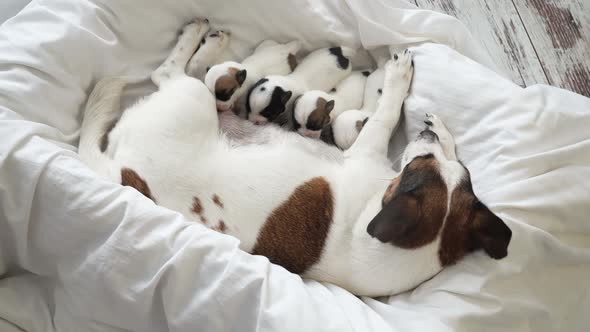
point(227, 84)
point(360, 124)
point(217, 200)
point(130, 178)
point(320, 116)
point(390, 191)
point(104, 140)
point(197, 206)
point(292, 61)
point(295, 232)
point(221, 227)
point(413, 216)
point(203, 219)
point(470, 226)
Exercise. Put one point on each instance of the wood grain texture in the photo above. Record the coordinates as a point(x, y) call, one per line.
point(560, 33)
point(496, 23)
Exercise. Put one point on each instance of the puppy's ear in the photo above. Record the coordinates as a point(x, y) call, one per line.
point(329, 106)
point(396, 219)
point(241, 76)
point(285, 96)
point(489, 232)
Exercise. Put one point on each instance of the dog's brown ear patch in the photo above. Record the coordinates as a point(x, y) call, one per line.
point(470, 226)
point(413, 215)
point(295, 233)
point(320, 117)
point(227, 84)
point(130, 178)
point(292, 61)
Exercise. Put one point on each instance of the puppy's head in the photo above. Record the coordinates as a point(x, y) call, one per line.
point(311, 113)
point(267, 99)
point(226, 82)
point(432, 199)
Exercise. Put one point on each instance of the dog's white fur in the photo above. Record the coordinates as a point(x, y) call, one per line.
point(348, 95)
point(171, 138)
point(208, 54)
point(319, 70)
point(269, 58)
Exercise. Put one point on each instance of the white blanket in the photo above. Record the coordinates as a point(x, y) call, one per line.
point(78, 253)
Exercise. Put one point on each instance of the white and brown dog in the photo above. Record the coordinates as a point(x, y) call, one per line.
point(320, 70)
point(315, 109)
point(296, 207)
point(230, 81)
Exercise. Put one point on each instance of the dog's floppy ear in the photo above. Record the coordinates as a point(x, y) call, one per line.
point(285, 95)
point(397, 218)
point(329, 106)
point(241, 76)
point(489, 232)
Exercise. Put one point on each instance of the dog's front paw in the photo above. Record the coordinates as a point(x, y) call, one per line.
point(197, 26)
point(219, 38)
point(399, 71)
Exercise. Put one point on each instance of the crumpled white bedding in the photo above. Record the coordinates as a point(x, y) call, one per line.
point(78, 253)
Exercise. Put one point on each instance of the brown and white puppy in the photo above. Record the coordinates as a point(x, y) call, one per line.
point(229, 81)
point(350, 220)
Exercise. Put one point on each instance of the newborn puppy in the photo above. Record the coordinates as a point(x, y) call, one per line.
point(345, 128)
point(229, 81)
point(321, 70)
point(315, 109)
point(208, 53)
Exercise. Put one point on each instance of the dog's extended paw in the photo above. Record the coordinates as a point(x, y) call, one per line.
point(399, 71)
point(435, 124)
point(196, 27)
point(219, 38)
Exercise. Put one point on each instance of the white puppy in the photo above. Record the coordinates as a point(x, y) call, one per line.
point(352, 220)
point(346, 127)
point(321, 70)
point(229, 81)
point(315, 109)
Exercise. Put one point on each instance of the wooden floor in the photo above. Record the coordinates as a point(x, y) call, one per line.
point(532, 41)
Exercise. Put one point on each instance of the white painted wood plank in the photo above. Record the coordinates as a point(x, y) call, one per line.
point(498, 27)
point(560, 33)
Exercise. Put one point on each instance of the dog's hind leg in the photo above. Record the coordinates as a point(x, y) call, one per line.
point(374, 138)
point(186, 46)
point(208, 54)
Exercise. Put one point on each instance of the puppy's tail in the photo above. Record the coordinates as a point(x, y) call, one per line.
point(100, 117)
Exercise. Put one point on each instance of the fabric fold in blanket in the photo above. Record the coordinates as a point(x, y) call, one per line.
point(78, 253)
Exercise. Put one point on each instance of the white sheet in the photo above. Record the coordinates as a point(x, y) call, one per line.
point(80, 254)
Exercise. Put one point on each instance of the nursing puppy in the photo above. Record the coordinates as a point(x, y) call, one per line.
point(345, 128)
point(229, 81)
point(352, 221)
point(315, 109)
point(321, 70)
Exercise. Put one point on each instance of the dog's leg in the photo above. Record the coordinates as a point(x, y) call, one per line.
point(186, 46)
point(208, 54)
point(374, 138)
point(446, 140)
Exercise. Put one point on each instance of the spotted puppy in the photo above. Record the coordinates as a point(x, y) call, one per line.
point(345, 128)
point(229, 81)
point(315, 109)
point(288, 203)
point(321, 70)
